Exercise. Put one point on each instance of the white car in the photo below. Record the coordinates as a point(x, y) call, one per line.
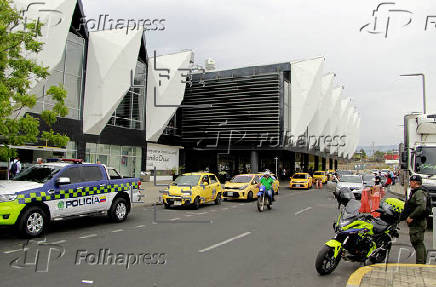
point(353, 182)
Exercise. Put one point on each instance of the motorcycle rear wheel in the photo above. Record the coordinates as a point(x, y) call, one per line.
point(325, 262)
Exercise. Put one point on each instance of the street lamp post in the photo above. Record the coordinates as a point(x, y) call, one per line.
point(423, 88)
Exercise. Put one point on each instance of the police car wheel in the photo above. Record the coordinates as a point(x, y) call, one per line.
point(118, 211)
point(33, 222)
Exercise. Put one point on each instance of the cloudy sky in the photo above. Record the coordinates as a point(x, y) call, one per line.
point(240, 33)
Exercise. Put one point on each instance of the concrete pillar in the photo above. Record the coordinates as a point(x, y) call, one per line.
point(330, 163)
point(336, 164)
point(316, 163)
point(292, 163)
point(323, 163)
point(254, 161)
point(305, 162)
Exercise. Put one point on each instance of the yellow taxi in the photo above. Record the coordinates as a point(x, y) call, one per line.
point(193, 189)
point(301, 180)
point(244, 186)
point(320, 175)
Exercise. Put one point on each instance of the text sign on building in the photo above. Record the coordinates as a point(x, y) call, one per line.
point(162, 157)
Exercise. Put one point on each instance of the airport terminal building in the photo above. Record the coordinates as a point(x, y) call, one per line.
point(137, 111)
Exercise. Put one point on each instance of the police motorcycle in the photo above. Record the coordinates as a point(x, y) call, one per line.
point(360, 237)
point(264, 198)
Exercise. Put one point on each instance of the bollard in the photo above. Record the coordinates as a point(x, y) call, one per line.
point(434, 226)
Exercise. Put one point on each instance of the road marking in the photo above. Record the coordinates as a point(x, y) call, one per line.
point(303, 210)
point(140, 226)
point(88, 236)
point(87, 282)
point(59, 242)
point(225, 208)
point(117, 230)
point(234, 206)
point(174, 219)
point(197, 213)
point(241, 204)
point(224, 242)
point(12, 251)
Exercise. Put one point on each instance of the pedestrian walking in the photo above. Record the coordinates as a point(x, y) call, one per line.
point(15, 167)
point(415, 215)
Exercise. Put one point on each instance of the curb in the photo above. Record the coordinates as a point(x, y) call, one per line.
point(356, 277)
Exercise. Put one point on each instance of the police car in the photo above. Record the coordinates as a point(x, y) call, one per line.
point(60, 190)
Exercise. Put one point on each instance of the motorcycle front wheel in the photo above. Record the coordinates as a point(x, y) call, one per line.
point(326, 262)
point(261, 203)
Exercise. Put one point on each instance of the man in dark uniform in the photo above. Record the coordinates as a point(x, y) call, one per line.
point(415, 216)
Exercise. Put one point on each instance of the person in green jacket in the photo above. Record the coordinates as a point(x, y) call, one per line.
point(415, 216)
point(268, 182)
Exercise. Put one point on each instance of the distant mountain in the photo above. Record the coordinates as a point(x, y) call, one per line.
point(384, 148)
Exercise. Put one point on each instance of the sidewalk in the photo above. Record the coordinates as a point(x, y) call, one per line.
point(151, 193)
point(397, 189)
point(397, 275)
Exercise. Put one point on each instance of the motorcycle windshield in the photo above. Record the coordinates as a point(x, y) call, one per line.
point(352, 209)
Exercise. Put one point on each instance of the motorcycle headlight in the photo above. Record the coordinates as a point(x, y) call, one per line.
point(7, 197)
point(243, 187)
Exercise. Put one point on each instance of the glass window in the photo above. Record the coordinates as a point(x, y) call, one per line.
point(129, 113)
point(91, 173)
point(73, 173)
point(103, 149)
point(116, 150)
point(91, 147)
point(67, 73)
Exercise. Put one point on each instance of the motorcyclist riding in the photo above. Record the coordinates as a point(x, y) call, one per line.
point(267, 181)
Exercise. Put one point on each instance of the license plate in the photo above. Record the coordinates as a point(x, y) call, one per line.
point(299, 185)
point(230, 193)
point(177, 203)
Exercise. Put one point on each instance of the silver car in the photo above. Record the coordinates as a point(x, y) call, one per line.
point(353, 182)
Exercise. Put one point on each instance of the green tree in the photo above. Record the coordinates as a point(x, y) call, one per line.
point(363, 153)
point(379, 156)
point(17, 73)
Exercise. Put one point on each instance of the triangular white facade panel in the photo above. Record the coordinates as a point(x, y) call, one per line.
point(56, 16)
point(164, 94)
point(306, 82)
point(112, 55)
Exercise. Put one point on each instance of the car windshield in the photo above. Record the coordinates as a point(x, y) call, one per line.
point(191, 179)
point(299, 176)
point(351, 179)
point(319, 173)
point(369, 177)
point(241, 179)
point(39, 174)
point(425, 162)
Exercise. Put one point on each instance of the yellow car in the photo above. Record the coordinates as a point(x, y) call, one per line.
point(301, 180)
point(320, 175)
point(193, 189)
point(244, 186)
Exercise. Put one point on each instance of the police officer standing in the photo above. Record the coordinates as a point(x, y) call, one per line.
point(415, 215)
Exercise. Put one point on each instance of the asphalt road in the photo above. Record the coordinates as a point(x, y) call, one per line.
point(227, 245)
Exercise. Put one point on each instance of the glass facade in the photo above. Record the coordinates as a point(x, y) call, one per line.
point(130, 112)
point(69, 73)
point(126, 159)
point(71, 150)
